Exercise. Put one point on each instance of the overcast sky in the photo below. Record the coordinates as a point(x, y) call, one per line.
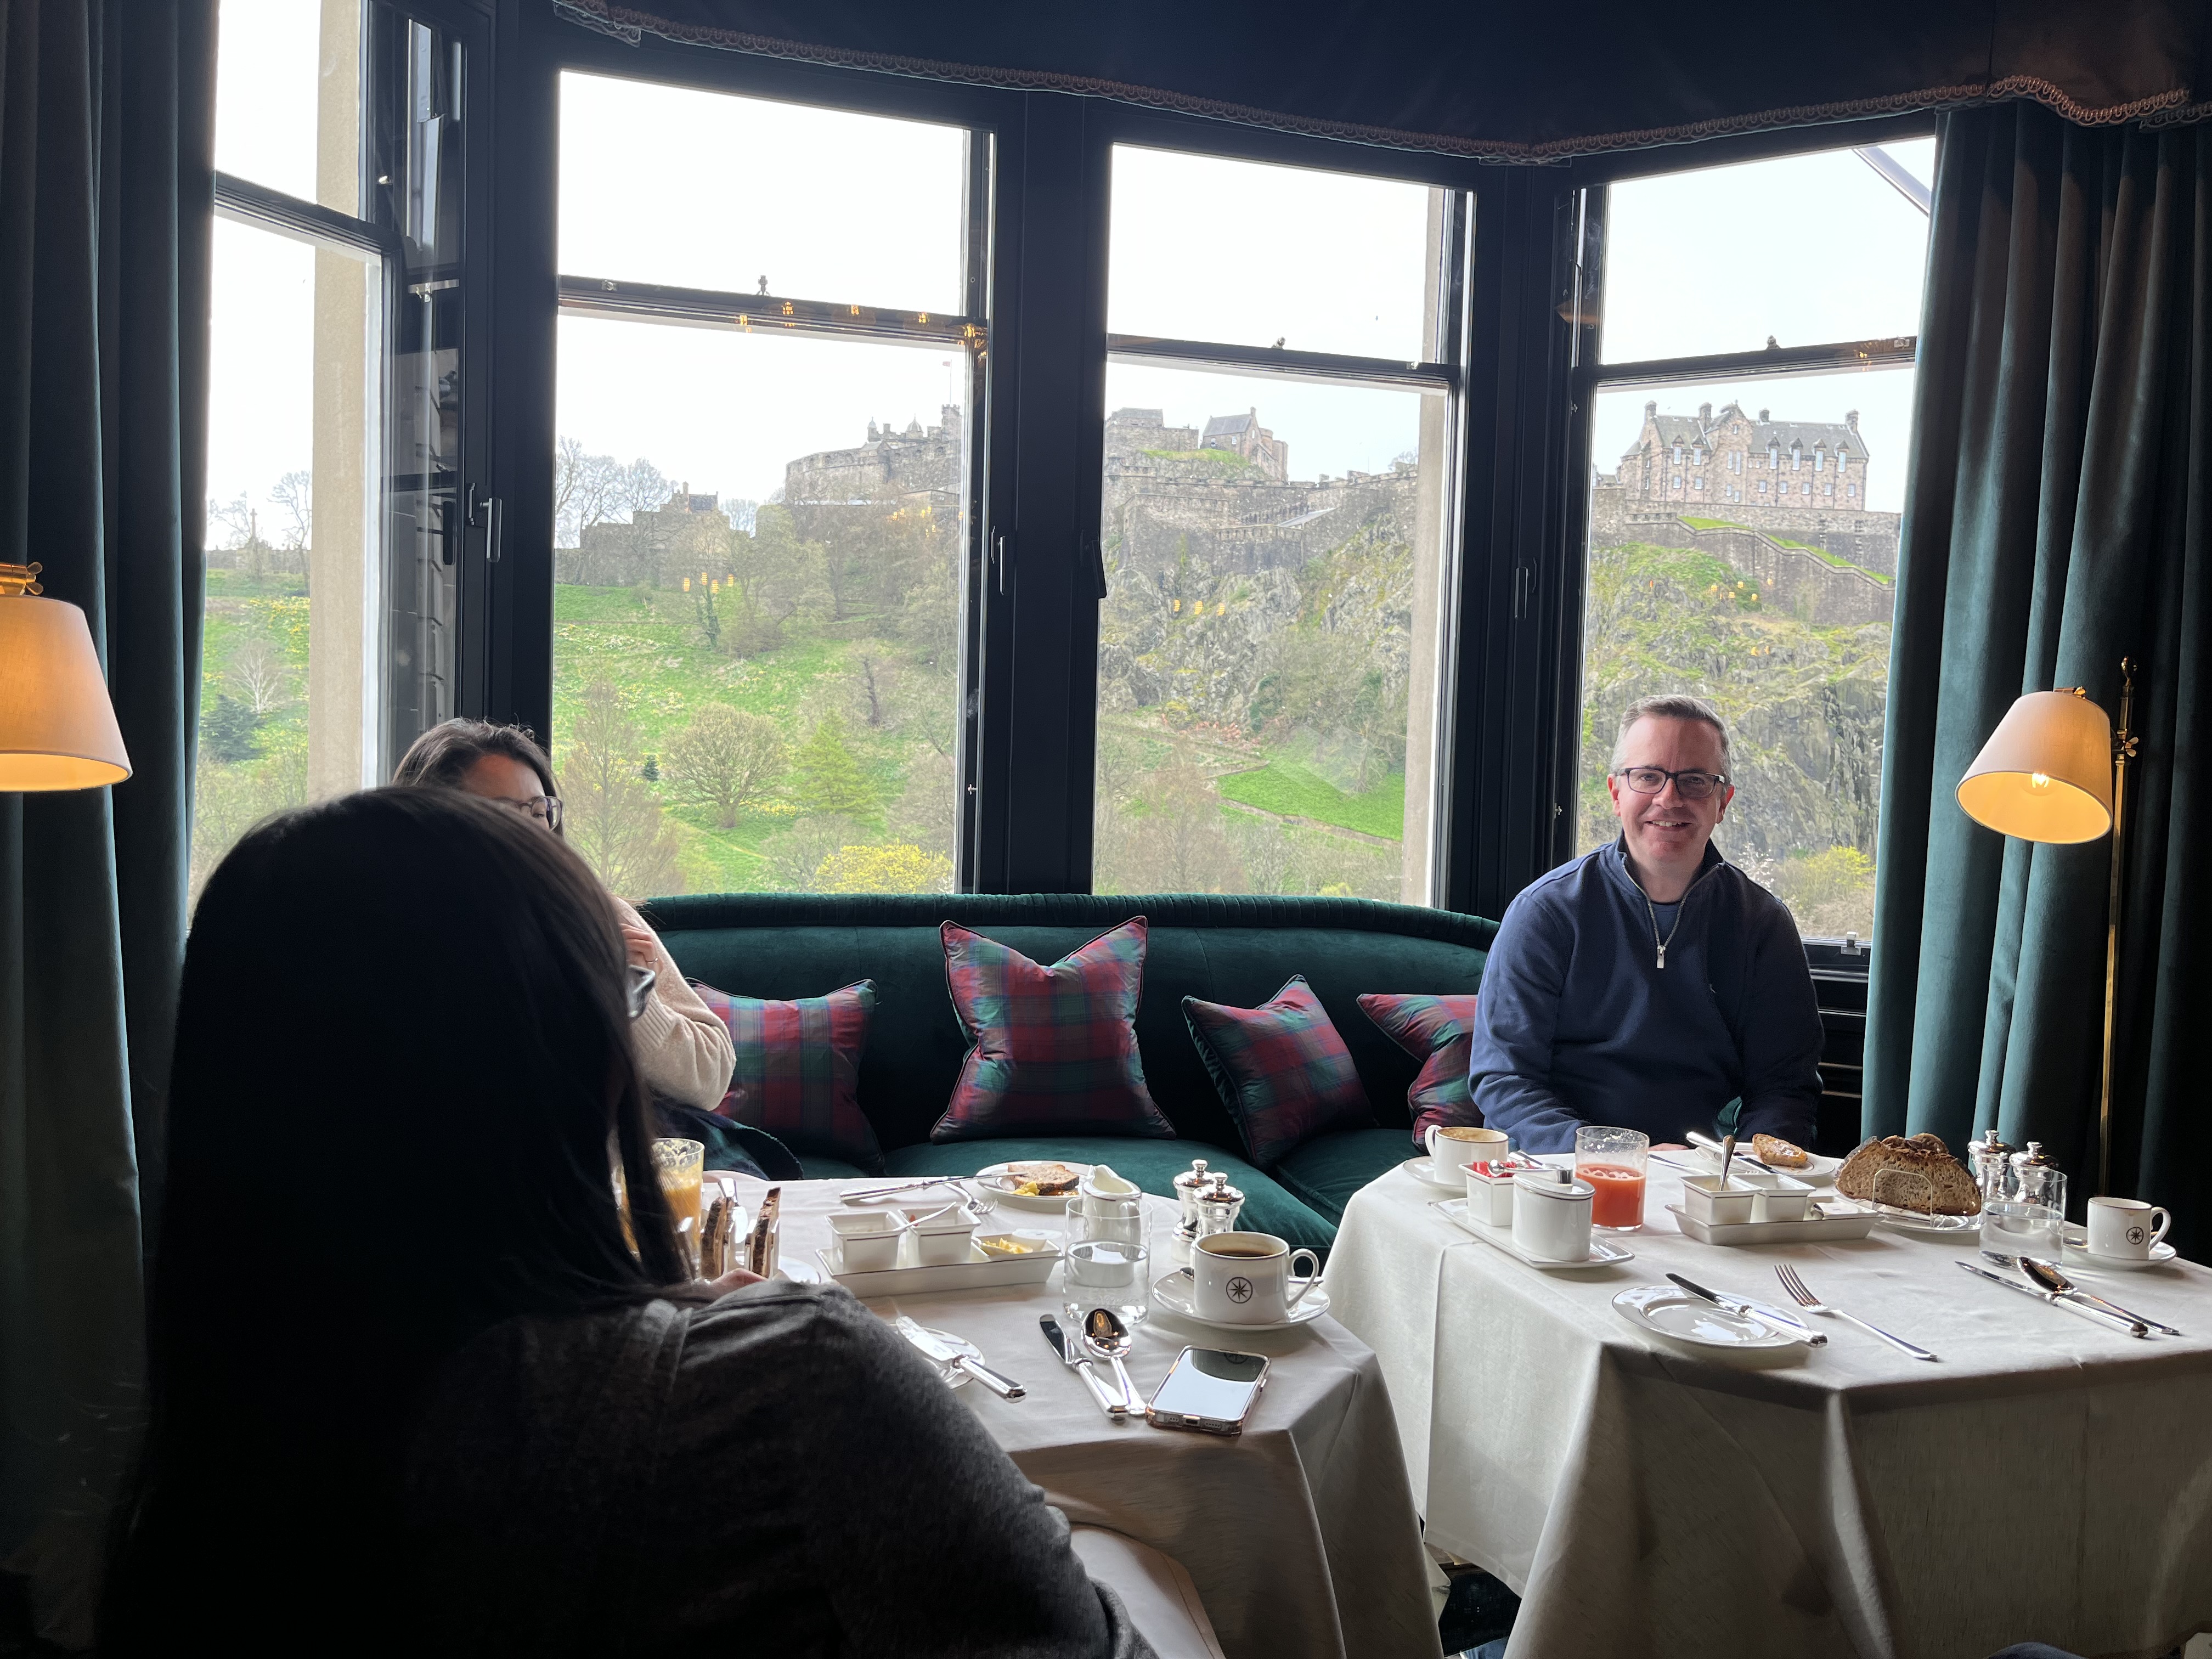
point(709, 191)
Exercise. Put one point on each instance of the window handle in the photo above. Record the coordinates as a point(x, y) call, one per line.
point(485, 513)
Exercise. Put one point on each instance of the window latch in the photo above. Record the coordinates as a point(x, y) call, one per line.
point(484, 514)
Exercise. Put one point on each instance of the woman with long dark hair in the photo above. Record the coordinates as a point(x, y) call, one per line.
point(412, 1391)
point(682, 1048)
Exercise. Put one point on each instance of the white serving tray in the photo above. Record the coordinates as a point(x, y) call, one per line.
point(1604, 1253)
point(1813, 1229)
point(980, 1271)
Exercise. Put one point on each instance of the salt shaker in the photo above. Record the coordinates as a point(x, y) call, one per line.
point(1218, 1206)
point(1188, 1185)
point(1988, 1158)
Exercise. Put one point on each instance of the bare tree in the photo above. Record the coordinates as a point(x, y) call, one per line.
point(258, 668)
point(242, 523)
point(869, 670)
point(294, 497)
point(726, 758)
point(614, 819)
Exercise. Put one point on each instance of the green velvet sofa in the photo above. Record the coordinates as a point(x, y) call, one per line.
point(1230, 949)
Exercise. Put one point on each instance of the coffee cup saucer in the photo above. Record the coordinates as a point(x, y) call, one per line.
point(1425, 1172)
point(1174, 1294)
point(2079, 1253)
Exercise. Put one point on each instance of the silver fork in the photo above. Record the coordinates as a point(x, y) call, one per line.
point(1804, 1299)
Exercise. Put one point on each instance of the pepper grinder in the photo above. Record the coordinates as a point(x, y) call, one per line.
point(2037, 1179)
point(1218, 1208)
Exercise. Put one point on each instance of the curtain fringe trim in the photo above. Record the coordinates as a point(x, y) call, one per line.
point(2162, 109)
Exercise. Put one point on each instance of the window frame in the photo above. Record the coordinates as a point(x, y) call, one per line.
point(1507, 723)
point(1587, 376)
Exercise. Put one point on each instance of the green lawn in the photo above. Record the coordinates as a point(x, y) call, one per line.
point(1296, 790)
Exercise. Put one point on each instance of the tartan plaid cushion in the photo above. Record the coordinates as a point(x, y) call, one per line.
point(1283, 1071)
point(1438, 1031)
point(798, 1069)
point(1052, 1050)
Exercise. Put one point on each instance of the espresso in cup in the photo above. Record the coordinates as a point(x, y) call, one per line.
point(1244, 1279)
point(2126, 1228)
point(1453, 1146)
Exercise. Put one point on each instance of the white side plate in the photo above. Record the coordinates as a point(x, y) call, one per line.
point(2078, 1254)
point(1425, 1172)
point(1669, 1312)
point(1604, 1253)
point(989, 1178)
point(1913, 1221)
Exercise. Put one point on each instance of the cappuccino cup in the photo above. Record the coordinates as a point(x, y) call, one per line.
point(1244, 1279)
point(1453, 1146)
point(2125, 1228)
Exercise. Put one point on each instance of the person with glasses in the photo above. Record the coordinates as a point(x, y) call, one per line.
point(1650, 985)
point(682, 1048)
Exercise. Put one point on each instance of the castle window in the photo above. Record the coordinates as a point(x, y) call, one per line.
point(1851, 489)
point(1696, 483)
point(1678, 458)
point(1819, 457)
point(1762, 486)
point(1678, 480)
point(1736, 461)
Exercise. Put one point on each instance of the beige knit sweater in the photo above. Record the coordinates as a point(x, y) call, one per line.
point(682, 1048)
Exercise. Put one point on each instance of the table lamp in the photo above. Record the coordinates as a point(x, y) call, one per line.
point(57, 727)
point(2054, 771)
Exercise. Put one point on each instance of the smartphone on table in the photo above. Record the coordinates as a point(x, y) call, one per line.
point(1210, 1390)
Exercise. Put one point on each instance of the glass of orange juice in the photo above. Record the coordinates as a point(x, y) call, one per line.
point(1614, 1162)
point(680, 1164)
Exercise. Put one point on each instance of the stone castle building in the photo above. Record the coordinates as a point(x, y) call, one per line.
point(1171, 492)
point(1786, 501)
point(1221, 495)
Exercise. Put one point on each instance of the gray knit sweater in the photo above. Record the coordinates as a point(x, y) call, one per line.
point(776, 1474)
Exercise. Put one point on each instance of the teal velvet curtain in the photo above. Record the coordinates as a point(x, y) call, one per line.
point(2057, 521)
point(106, 193)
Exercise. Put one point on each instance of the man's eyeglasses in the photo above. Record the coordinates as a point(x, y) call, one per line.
point(546, 809)
point(642, 981)
point(1691, 786)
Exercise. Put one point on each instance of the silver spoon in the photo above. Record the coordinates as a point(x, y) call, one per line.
point(2048, 1276)
point(1728, 1157)
point(1106, 1336)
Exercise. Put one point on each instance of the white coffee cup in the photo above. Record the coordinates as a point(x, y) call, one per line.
point(1551, 1215)
point(1243, 1278)
point(1453, 1146)
point(2125, 1227)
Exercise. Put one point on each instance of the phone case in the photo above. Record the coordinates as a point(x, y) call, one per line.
point(1199, 1424)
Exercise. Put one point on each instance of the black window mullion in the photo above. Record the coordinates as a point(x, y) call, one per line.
point(1039, 680)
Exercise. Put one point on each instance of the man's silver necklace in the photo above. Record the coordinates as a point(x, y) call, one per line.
point(1658, 944)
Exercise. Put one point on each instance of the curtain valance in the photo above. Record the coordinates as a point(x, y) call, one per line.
point(1509, 82)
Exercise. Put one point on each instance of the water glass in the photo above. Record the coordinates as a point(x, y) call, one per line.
point(1120, 1220)
point(1105, 1273)
point(2011, 1229)
point(1614, 1163)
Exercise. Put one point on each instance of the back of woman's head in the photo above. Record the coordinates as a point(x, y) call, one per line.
point(402, 1056)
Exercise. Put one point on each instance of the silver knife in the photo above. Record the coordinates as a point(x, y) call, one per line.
point(1108, 1400)
point(945, 1354)
point(2132, 1327)
point(1708, 1144)
point(1781, 1323)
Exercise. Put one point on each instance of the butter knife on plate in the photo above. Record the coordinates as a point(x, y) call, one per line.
point(2132, 1327)
point(1109, 1399)
point(1781, 1323)
point(945, 1354)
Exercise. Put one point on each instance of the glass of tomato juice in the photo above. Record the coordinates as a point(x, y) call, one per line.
point(1614, 1162)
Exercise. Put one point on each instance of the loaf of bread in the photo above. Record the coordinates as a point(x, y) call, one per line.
point(1776, 1153)
point(1914, 1174)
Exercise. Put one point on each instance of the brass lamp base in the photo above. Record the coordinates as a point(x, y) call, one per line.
point(16, 580)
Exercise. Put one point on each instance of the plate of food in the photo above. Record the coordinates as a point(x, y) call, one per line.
point(1041, 1184)
point(1911, 1184)
point(1782, 1156)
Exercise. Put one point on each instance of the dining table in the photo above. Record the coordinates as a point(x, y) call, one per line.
point(2048, 1477)
point(1299, 1534)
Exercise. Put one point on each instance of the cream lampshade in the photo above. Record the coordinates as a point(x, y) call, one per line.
point(2047, 772)
point(58, 728)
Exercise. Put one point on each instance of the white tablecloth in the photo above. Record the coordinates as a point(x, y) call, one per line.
point(2050, 1480)
point(1300, 1534)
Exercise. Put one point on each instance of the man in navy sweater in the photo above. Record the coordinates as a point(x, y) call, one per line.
point(1649, 984)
